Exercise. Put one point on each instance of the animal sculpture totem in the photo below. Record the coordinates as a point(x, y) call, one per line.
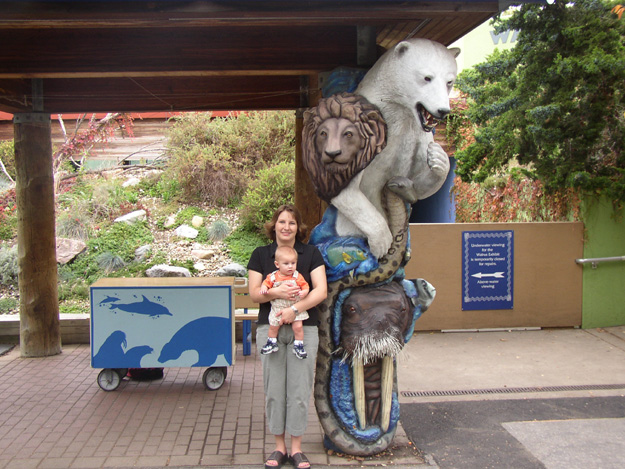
point(370, 155)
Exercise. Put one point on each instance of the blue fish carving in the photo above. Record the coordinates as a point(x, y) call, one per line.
point(145, 307)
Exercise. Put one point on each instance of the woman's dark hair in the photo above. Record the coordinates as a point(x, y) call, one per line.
point(302, 229)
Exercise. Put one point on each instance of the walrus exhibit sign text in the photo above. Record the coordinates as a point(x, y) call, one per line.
point(487, 270)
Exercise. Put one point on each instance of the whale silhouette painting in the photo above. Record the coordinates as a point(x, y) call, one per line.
point(112, 353)
point(145, 307)
point(208, 336)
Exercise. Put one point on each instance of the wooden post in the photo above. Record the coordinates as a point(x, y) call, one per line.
point(310, 206)
point(40, 331)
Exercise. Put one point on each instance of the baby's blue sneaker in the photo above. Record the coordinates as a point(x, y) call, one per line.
point(299, 351)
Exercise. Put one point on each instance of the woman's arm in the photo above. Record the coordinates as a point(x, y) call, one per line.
point(255, 280)
point(318, 293)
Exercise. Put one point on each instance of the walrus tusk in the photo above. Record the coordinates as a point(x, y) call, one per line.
point(358, 376)
point(387, 392)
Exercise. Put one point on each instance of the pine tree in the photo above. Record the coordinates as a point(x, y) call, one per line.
point(555, 102)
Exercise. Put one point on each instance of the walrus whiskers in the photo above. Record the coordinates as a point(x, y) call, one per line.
point(371, 347)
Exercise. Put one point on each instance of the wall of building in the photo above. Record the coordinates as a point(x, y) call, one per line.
point(547, 281)
point(604, 286)
point(477, 45)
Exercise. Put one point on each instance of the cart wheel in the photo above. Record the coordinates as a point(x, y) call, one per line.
point(109, 379)
point(122, 372)
point(214, 378)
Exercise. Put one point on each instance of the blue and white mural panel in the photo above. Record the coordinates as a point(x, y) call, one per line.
point(153, 327)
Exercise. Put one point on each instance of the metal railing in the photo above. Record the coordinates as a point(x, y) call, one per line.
point(594, 261)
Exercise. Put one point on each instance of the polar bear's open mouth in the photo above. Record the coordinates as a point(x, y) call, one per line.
point(428, 121)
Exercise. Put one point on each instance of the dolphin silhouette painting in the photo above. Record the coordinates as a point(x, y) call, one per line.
point(108, 299)
point(112, 353)
point(145, 307)
point(208, 336)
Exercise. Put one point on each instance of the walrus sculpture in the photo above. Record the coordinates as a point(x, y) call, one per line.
point(371, 308)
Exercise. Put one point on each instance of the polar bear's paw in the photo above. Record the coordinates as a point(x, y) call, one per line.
point(437, 159)
point(380, 242)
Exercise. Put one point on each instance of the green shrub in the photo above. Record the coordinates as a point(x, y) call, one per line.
point(110, 262)
point(9, 267)
point(213, 159)
point(7, 156)
point(8, 215)
point(74, 307)
point(242, 242)
point(75, 225)
point(185, 215)
point(157, 186)
point(9, 305)
point(74, 288)
point(120, 238)
point(8, 225)
point(218, 230)
point(272, 187)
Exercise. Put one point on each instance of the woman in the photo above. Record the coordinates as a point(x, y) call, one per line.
point(288, 380)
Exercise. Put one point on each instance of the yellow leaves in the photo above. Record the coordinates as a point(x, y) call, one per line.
point(618, 10)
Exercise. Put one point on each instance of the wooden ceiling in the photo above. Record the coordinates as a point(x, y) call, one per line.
point(133, 56)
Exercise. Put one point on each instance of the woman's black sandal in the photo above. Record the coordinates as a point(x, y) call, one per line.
point(277, 456)
point(299, 458)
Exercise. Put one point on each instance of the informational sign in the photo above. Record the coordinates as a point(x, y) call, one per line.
point(487, 270)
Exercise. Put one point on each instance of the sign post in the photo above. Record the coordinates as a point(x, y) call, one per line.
point(487, 270)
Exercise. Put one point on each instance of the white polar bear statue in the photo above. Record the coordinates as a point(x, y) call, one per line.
point(410, 84)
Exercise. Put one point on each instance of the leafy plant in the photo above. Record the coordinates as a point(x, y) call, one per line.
point(218, 230)
point(75, 225)
point(555, 102)
point(9, 305)
point(74, 307)
point(7, 160)
point(186, 215)
point(213, 159)
point(272, 187)
point(160, 187)
point(120, 238)
point(8, 215)
point(110, 262)
point(9, 267)
point(242, 242)
point(513, 199)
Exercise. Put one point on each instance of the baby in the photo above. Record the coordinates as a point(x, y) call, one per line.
point(286, 262)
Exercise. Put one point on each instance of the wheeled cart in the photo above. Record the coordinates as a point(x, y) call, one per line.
point(162, 323)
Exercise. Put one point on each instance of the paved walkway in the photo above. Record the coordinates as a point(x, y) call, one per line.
point(54, 415)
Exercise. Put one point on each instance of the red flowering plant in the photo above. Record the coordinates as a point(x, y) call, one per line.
point(76, 147)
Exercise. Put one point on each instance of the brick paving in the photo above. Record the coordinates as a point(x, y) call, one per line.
point(54, 415)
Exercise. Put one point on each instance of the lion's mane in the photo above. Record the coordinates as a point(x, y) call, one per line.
point(371, 126)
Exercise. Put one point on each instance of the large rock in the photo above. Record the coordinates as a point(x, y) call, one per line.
point(142, 252)
point(132, 217)
point(130, 182)
point(197, 221)
point(185, 231)
point(67, 249)
point(232, 270)
point(164, 270)
point(171, 221)
point(203, 253)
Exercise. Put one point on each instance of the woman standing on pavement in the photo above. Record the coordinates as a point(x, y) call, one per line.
point(288, 381)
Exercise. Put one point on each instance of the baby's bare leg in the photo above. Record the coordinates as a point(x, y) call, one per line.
point(298, 330)
point(273, 332)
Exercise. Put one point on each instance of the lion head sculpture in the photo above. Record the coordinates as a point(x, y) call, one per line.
point(340, 138)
